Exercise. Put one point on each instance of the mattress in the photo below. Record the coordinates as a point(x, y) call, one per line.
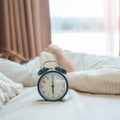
point(75, 106)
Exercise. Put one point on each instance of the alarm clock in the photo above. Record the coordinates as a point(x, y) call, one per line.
point(52, 84)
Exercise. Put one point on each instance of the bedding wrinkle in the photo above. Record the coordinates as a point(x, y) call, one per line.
point(8, 89)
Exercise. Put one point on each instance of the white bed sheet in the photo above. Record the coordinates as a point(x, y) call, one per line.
point(79, 106)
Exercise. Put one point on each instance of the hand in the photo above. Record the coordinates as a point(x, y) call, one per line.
point(61, 58)
point(53, 49)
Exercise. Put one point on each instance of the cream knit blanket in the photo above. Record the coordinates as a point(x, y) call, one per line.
point(94, 74)
point(8, 89)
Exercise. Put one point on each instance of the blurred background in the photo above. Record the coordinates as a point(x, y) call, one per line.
point(90, 26)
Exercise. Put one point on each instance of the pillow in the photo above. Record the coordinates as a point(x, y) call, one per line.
point(34, 66)
point(37, 63)
point(16, 72)
point(47, 56)
point(8, 89)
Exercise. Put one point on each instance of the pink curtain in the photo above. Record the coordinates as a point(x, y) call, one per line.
point(25, 26)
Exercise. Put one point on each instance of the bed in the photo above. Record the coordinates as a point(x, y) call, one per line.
point(80, 106)
point(87, 103)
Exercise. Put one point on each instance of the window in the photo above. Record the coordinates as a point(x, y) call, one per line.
point(85, 25)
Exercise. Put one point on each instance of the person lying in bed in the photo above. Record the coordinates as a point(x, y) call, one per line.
point(86, 72)
point(12, 55)
point(94, 74)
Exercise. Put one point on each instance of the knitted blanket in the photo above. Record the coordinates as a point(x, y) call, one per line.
point(8, 89)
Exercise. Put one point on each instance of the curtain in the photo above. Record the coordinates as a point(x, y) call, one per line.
point(112, 26)
point(119, 27)
point(25, 26)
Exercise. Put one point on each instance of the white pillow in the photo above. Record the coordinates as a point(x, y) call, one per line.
point(34, 66)
point(47, 56)
point(16, 72)
point(8, 89)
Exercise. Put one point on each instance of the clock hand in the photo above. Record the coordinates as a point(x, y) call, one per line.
point(52, 85)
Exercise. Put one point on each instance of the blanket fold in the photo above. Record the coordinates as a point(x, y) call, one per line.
point(8, 89)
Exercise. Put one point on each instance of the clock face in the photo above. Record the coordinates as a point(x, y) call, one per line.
point(52, 86)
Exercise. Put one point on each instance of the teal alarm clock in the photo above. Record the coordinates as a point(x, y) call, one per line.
point(52, 84)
